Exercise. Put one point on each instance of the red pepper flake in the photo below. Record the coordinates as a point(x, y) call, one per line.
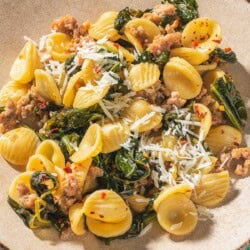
point(228, 49)
point(183, 142)
point(101, 216)
point(92, 212)
point(146, 166)
point(117, 45)
point(195, 44)
point(103, 195)
point(53, 130)
point(189, 190)
point(217, 41)
point(200, 115)
point(43, 104)
point(97, 69)
point(67, 168)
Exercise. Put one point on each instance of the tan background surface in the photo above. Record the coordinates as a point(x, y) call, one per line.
point(230, 227)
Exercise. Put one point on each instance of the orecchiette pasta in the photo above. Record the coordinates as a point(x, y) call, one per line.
point(177, 214)
point(12, 91)
point(212, 189)
point(204, 115)
point(104, 27)
point(113, 135)
point(193, 56)
point(180, 76)
point(150, 30)
point(107, 230)
point(89, 95)
point(26, 63)
point(168, 191)
point(58, 46)
point(143, 75)
point(17, 145)
point(143, 116)
point(77, 219)
point(39, 162)
point(211, 76)
point(46, 86)
point(52, 152)
point(223, 137)
point(203, 34)
point(90, 146)
point(105, 205)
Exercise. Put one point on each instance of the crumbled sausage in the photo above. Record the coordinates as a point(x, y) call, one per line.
point(164, 43)
point(176, 100)
point(26, 199)
point(140, 34)
point(69, 25)
point(159, 11)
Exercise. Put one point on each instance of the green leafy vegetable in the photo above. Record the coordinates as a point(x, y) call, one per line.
point(168, 19)
point(125, 15)
point(187, 10)
point(68, 121)
point(225, 91)
point(2, 109)
point(223, 55)
point(69, 64)
point(69, 143)
point(146, 56)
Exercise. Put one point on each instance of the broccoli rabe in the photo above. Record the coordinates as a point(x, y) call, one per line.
point(225, 91)
point(223, 55)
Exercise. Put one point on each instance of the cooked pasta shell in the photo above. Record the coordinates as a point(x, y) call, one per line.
point(17, 145)
point(25, 64)
point(12, 91)
point(90, 146)
point(193, 56)
point(113, 135)
point(150, 30)
point(105, 205)
point(181, 76)
point(58, 46)
point(77, 219)
point(212, 189)
point(104, 27)
point(15, 190)
point(117, 48)
point(211, 76)
point(177, 214)
point(203, 34)
point(89, 95)
point(213, 161)
point(143, 76)
point(143, 116)
point(204, 115)
point(52, 152)
point(170, 190)
point(107, 230)
point(223, 137)
point(39, 162)
point(169, 142)
point(46, 86)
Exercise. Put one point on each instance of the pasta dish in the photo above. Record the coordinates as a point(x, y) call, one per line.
point(123, 121)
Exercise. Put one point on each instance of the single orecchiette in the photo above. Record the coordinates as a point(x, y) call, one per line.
point(177, 214)
point(193, 56)
point(223, 137)
point(143, 75)
point(212, 189)
point(143, 116)
point(58, 46)
point(52, 152)
point(90, 146)
point(181, 76)
point(46, 86)
point(104, 27)
point(113, 135)
point(17, 145)
point(38, 162)
point(26, 63)
point(203, 34)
